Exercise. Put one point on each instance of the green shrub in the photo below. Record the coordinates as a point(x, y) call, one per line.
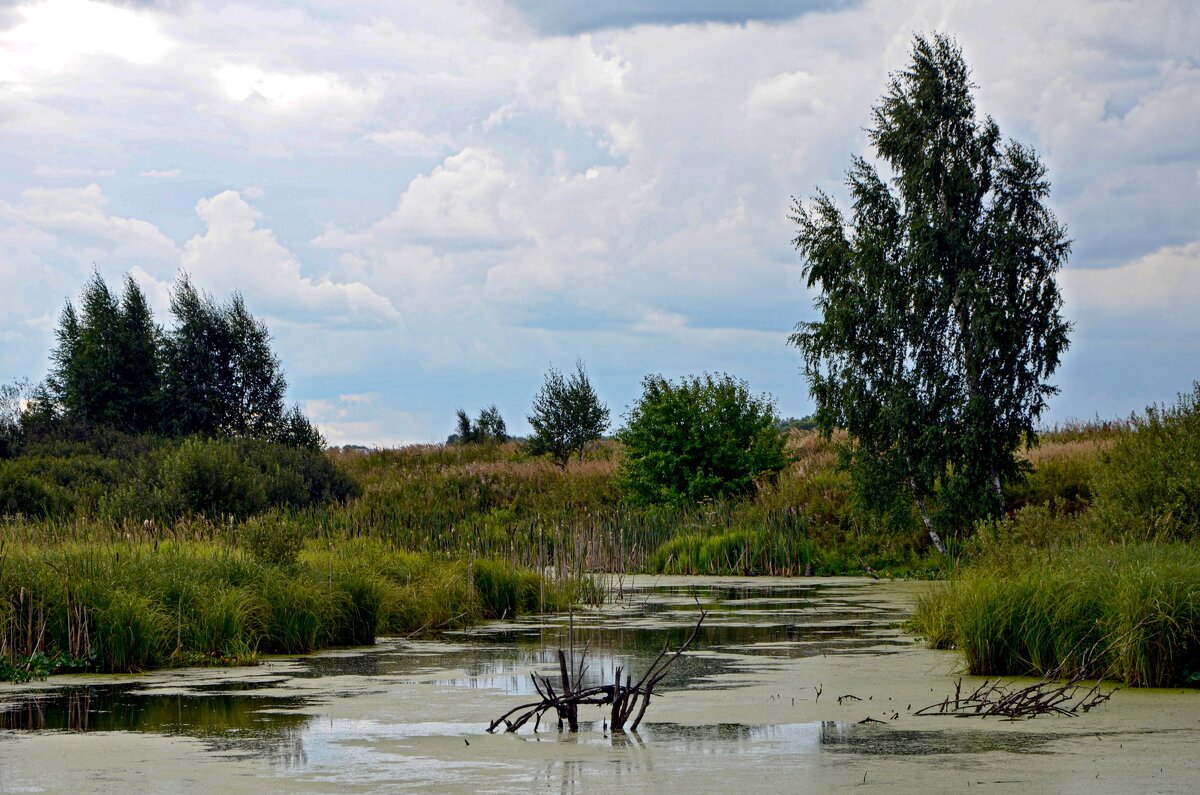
point(1064, 483)
point(22, 493)
point(295, 476)
point(1148, 484)
point(273, 540)
point(207, 477)
point(698, 439)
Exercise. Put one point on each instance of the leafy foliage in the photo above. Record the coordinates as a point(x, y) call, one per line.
point(939, 311)
point(488, 427)
point(1148, 484)
point(209, 478)
point(701, 438)
point(212, 374)
point(221, 376)
point(106, 363)
point(121, 477)
point(567, 416)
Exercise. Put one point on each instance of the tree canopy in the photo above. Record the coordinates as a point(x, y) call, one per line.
point(489, 426)
point(704, 437)
point(106, 363)
point(213, 373)
point(940, 318)
point(566, 416)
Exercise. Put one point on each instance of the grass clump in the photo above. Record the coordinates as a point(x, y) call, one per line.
point(133, 605)
point(1130, 613)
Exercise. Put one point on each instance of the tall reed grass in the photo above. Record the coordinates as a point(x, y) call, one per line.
point(131, 605)
point(1126, 612)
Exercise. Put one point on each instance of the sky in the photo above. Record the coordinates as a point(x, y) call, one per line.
point(431, 203)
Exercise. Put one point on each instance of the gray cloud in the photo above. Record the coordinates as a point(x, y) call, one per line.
point(570, 17)
point(517, 197)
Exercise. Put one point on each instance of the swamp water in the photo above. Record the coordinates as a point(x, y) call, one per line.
point(769, 699)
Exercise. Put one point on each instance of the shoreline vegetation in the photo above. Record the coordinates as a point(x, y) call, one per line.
point(425, 538)
point(128, 605)
point(1104, 583)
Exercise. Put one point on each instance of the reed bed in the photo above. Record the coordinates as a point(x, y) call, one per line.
point(1125, 612)
point(137, 604)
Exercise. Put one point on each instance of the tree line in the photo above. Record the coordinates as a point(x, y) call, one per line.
point(211, 373)
point(699, 438)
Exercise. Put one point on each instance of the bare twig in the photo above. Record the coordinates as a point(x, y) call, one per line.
point(624, 698)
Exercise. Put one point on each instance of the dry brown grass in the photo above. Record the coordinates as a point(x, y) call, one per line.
point(811, 452)
point(1053, 450)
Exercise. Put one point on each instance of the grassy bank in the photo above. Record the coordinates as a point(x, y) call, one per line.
point(1102, 579)
point(131, 605)
point(1130, 613)
point(496, 501)
point(299, 554)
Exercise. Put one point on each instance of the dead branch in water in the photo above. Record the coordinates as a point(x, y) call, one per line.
point(1056, 693)
point(997, 699)
point(627, 699)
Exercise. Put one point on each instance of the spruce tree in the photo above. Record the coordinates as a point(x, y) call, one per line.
point(105, 367)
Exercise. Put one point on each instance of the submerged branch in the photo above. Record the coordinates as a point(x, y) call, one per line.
point(625, 698)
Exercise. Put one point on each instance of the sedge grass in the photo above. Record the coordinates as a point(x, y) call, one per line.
point(133, 605)
point(1129, 612)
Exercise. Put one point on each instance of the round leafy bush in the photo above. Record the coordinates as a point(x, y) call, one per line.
point(207, 477)
point(704, 437)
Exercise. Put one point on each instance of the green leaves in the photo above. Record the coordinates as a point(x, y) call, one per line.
point(702, 438)
point(213, 373)
point(221, 376)
point(106, 364)
point(940, 317)
point(567, 415)
point(489, 427)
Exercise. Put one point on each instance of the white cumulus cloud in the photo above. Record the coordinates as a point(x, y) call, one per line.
point(234, 253)
point(1165, 281)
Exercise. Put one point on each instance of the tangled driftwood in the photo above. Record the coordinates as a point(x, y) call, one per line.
point(626, 699)
point(1045, 697)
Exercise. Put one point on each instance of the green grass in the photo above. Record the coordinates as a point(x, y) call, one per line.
point(311, 552)
point(128, 606)
point(1127, 612)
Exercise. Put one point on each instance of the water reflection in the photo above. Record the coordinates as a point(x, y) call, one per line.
point(127, 708)
point(874, 741)
point(239, 721)
point(750, 627)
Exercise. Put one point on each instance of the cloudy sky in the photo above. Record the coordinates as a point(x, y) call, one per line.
point(430, 202)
